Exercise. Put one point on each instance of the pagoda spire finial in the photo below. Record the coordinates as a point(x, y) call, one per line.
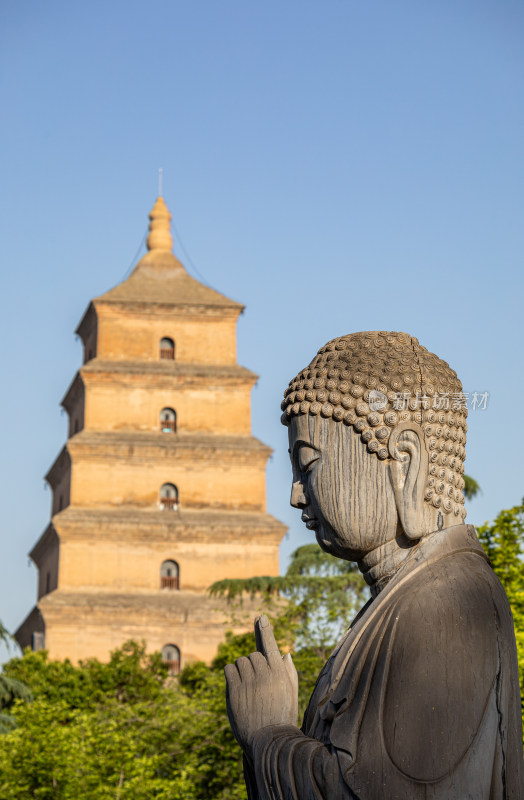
point(159, 237)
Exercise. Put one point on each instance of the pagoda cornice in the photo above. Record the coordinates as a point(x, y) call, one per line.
point(47, 540)
point(74, 392)
point(106, 443)
point(170, 369)
point(152, 308)
point(157, 374)
point(88, 319)
point(135, 524)
point(61, 463)
point(186, 447)
point(173, 607)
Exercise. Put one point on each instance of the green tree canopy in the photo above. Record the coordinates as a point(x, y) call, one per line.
point(503, 541)
point(313, 603)
point(121, 730)
point(471, 487)
point(11, 689)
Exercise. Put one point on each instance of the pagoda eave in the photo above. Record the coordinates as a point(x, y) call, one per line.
point(134, 524)
point(152, 308)
point(110, 443)
point(171, 369)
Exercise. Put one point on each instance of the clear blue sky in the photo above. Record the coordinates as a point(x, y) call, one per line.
point(336, 166)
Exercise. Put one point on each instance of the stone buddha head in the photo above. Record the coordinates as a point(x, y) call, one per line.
point(377, 432)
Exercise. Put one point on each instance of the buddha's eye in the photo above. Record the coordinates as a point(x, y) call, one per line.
point(307, 456)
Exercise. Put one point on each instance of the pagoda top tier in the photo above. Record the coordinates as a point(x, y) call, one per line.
point(159, 277)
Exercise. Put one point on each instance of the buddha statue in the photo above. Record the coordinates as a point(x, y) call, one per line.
point(420, 698)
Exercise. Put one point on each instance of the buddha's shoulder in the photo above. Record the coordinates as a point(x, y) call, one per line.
point(463, 577)
point(456, 601)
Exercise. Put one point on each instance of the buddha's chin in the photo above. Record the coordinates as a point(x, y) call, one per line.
point(335, 548)
point(328, 545)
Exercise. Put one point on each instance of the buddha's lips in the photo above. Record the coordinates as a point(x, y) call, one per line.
point(311, 522)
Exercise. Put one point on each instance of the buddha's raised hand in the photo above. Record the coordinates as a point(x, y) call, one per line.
point(262, 689)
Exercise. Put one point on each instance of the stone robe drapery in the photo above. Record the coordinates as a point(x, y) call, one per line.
point(419, 700)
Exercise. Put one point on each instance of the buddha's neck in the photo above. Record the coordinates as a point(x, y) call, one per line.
point(381, 564)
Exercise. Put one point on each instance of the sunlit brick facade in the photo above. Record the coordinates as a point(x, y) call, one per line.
point(160, 487)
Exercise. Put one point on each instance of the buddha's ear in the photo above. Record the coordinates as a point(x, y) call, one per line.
point(408, 471)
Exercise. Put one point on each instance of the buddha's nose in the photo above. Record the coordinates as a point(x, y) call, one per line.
point(298, 495)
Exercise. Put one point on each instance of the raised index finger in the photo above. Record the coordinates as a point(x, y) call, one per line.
point(265, 639)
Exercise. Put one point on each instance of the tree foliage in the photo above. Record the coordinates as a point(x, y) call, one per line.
point(503, 541)
point(471, 487)
point(11, 689)
point(120, 730)
point(314, 602)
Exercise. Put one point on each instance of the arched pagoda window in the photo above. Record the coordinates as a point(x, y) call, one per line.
point(167, 348)
point(171, 657)
point(37, 640)
point(168, 500)
point(170, 575)
point(168, 420)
